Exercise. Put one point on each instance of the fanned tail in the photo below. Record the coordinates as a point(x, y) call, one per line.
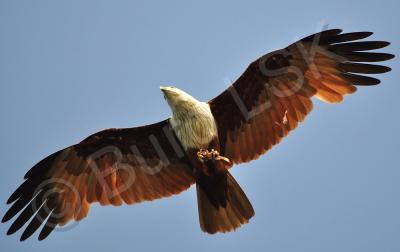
point(237, 211)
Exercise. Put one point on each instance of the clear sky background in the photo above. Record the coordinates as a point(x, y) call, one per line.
point(71, 68)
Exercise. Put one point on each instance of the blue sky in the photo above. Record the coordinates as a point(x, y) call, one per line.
point(71, 68)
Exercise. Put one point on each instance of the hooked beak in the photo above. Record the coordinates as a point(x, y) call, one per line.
point(167, 90)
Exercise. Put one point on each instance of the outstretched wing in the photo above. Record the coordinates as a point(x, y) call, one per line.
point(274, 94)
point(114, 166)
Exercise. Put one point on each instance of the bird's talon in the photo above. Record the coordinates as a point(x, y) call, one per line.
point(206, 155)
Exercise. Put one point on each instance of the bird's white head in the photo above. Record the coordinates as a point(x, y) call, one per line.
point(178, 100)
point(192, 120)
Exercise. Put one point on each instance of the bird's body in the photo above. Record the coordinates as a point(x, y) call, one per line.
point(195, 127)
point(200, 142)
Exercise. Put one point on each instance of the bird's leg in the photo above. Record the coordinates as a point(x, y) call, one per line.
point(206, 155)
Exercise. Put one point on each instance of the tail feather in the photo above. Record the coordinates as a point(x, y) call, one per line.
point(237, 212)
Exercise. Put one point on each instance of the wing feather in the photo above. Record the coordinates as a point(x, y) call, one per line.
point(111, 167)
point(274, 94)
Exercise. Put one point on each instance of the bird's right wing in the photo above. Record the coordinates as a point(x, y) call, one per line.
point(113, 166)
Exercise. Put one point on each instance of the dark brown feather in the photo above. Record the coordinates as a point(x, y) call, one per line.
point(344, 37)
point(367, 56)
point(321, 64)
point(358, 46)
point(90, 172)
point(38, 219)
point(360, 80)
point(363, 68)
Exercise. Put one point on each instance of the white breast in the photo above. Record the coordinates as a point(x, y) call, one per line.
point(195, 128)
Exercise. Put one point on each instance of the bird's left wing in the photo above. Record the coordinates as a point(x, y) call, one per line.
point(274, 93)
point(113, 166)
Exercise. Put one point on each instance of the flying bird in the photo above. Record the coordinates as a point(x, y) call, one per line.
point(200, 141)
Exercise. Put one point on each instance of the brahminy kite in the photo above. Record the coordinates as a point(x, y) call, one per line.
point(200, 141)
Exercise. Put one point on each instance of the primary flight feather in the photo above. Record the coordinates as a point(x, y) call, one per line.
point(200, 141)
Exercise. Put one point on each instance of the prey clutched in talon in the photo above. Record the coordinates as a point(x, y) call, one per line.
point(206, 155)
